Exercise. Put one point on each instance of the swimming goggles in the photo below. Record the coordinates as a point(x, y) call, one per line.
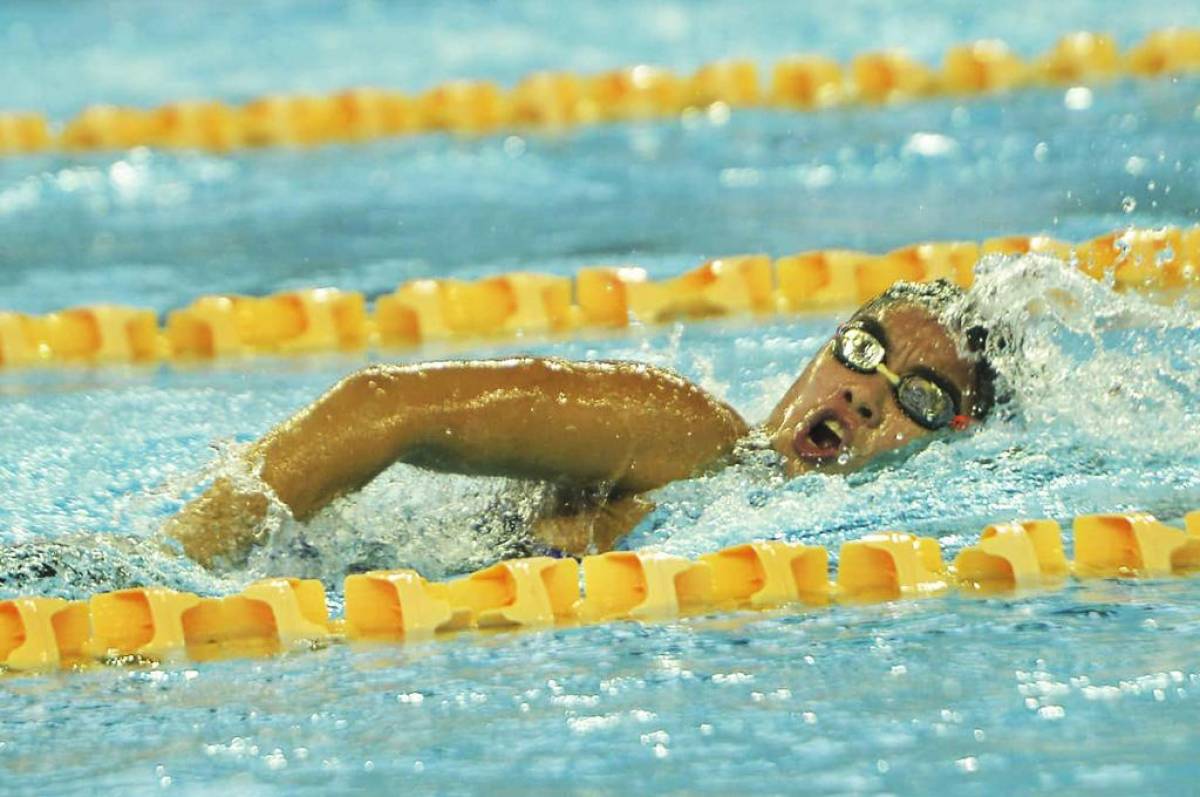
point(924, 400)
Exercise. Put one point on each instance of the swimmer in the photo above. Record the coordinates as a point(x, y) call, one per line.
point(905, 366)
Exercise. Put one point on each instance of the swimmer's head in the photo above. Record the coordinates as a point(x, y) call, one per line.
point(906, 365)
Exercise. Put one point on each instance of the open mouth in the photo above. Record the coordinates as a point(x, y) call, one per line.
point(827, 434)
point(823, 438)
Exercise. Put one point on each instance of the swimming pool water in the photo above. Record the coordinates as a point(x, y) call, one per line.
point(1091, 687)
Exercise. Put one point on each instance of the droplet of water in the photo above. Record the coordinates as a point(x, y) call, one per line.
point(1128, 204)
point(1078, 98)
point(514, 146)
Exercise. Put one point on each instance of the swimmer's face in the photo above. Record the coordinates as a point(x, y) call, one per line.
point(836, 419)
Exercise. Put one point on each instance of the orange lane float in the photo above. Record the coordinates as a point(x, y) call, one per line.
point(808, 82)
point(507, 304)
point(636, 585)
point(42, 633)
point(1172, 51)
point(24, 133)
point(891, 77)
point(17, 347)
point(983, 66)
point(105, 127)
point(365, 114)
point(464, 106)
point(277, 615)
point(1019, 555)
point(551, 100)
point(820, 280)
point(637, 92)
point(1080, 58)
point(1142, 259)
point(1132, 545)
point(732, 82)
point(727, 286)
point(521, 592)
point(1159, 261)
point(548, 100)
point(602, 293)
point(950, 260)
point(100, 333)
point(889, 565)
point(145, 623)
point(398, 604)
point(95, 334)
point(268, 617)
point(771, 573)
point(205, 125)
point(322, 319)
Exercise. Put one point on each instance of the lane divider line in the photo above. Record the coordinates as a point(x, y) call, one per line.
point(506, 306)
point(562, 100)
point(153, 625)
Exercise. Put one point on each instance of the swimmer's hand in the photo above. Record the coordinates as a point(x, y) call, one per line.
point(594, 530)
point(220, 525)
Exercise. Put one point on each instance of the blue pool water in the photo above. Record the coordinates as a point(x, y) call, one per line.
point(1092, 687)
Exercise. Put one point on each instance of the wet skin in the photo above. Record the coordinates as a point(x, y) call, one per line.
point(617, 429)
point(831, 401)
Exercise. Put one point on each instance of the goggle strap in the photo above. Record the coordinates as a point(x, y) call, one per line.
point(888, 375)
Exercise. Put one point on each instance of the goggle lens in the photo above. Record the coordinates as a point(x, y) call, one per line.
point(859, 349)
point(925, 402)
point(922, 399)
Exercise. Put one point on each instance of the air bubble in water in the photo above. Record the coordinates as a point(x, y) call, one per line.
point(843, 458)
point(1128, 204)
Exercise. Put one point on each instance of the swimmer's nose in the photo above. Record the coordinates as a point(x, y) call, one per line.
point(866, 402)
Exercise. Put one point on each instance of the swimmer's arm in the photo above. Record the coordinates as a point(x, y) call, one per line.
point(627, 426)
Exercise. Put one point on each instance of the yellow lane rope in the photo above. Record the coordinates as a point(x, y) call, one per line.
point(598, 297)
point(159, 625)
point(560, 100)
